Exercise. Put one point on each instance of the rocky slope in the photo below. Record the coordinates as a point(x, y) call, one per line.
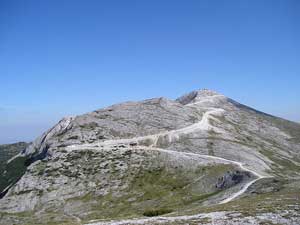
point(202, 153)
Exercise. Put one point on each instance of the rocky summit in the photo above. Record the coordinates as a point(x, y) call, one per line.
point(200, 159)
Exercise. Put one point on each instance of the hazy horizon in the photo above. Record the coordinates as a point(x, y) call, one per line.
point(28, 132)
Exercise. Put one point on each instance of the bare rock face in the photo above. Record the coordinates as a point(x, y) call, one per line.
point(199, 96)
point(231, 178)
point(148, 158)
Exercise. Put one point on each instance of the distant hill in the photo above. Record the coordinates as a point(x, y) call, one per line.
point(7, 152)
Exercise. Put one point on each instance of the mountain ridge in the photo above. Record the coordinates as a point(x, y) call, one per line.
point(196, 151)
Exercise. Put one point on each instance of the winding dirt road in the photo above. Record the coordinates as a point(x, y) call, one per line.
point(172, 135)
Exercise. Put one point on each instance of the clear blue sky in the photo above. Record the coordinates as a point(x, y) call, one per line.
point(62, 57)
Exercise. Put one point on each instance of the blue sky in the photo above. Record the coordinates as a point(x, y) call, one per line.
point(63, 57)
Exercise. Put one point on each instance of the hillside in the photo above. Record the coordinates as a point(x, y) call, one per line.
point(202, 158)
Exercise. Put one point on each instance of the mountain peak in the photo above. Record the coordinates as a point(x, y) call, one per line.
point(197, 95)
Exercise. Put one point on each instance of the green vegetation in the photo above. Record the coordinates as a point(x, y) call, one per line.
point(14, 171)
point(156, 212)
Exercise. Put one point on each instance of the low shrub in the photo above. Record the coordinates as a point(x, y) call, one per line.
point(156, 212)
